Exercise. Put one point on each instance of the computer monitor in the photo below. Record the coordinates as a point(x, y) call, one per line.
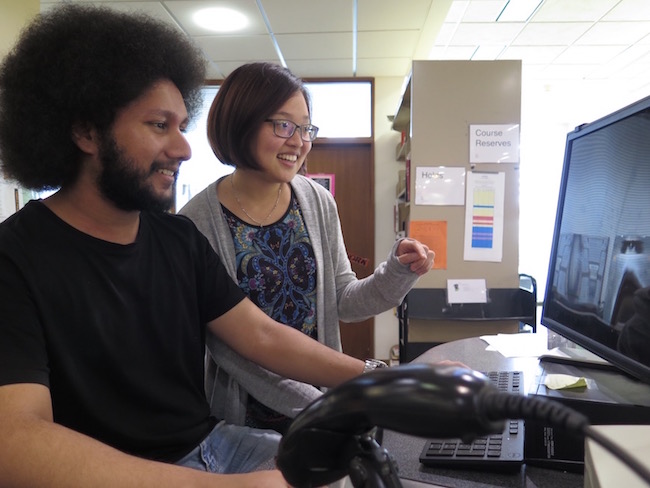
point(600, 252)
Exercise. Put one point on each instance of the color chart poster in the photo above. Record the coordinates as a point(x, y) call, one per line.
point(484, 216)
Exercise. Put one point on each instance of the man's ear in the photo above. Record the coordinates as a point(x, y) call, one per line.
point(85, 137)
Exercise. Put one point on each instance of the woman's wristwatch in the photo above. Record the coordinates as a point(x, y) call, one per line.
point(372, 364)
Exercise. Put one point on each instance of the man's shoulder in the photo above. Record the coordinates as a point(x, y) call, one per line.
point(172, 224)
point(167, 219)
point(32, 214)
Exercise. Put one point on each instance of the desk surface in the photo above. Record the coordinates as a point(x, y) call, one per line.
point(406, 449)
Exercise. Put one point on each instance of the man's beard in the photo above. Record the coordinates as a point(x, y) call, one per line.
point(123, 184)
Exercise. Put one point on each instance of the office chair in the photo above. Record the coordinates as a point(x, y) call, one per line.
point(528, 284)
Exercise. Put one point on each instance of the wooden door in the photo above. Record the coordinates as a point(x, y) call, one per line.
point(352, 165)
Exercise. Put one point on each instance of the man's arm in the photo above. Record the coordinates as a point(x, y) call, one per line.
point(35, 451)
point(282, 349)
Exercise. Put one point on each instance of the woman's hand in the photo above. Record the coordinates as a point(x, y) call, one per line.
point(417, 255)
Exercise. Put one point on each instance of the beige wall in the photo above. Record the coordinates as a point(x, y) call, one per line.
point(14, 14)
point(388, 92)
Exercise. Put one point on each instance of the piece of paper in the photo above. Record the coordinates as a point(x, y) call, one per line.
point(494, 143)
point(433, 233)
point(564, 381)
point(466, 291)
point(484, 216)
point(439, 185)
point(517, 345)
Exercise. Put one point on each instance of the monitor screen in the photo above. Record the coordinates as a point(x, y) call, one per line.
point(600, 253)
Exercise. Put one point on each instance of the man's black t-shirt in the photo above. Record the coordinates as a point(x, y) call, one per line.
point(117, 332)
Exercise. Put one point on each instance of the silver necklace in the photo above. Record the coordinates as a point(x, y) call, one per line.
point(257, 222)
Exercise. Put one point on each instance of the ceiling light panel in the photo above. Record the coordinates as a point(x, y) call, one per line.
point(185, 10)
point(220, 19)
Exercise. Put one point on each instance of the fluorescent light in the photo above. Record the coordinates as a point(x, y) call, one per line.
point(220, 19)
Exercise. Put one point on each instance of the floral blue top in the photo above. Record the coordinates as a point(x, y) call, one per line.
point(276, 268)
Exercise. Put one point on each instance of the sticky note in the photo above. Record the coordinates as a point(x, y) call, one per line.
point(563, 381)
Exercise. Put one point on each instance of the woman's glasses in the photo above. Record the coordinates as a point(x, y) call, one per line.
point(286, 129)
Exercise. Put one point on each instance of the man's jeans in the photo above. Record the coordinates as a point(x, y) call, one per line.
point(234, 449)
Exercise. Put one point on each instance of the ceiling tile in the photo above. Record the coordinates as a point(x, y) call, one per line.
point(383, 67)
point(218, 71)
point(573, 72)
point(483, 10)
point(316, 46)
point(391, 44)
point(532, 54)
point(452, 52)
point(629, 10)
point(237, 48)
point(478, 33)
point(580, 55)
point(456, 11)
point(552, 33)
point(288, 16)
point(573, 10)
point(445, 34)
point(607, 33)
point(337, 68)
point(388, 15)
point(488, 52)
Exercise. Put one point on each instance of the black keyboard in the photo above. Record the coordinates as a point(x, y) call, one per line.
point(501, 451)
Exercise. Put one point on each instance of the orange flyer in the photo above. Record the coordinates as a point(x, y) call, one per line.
point(433, 233)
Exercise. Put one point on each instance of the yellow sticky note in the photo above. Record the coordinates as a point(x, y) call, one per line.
point(562, 381)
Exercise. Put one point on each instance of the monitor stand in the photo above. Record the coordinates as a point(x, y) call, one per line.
point(577, 357)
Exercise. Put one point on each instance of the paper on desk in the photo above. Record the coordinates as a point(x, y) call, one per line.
point(517, 345)
point(563, 381)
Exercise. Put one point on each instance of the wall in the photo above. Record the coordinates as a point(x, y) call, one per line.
point(13, 16)
point(388, 91)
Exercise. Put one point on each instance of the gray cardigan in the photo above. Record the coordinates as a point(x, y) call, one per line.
point(339, 296)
